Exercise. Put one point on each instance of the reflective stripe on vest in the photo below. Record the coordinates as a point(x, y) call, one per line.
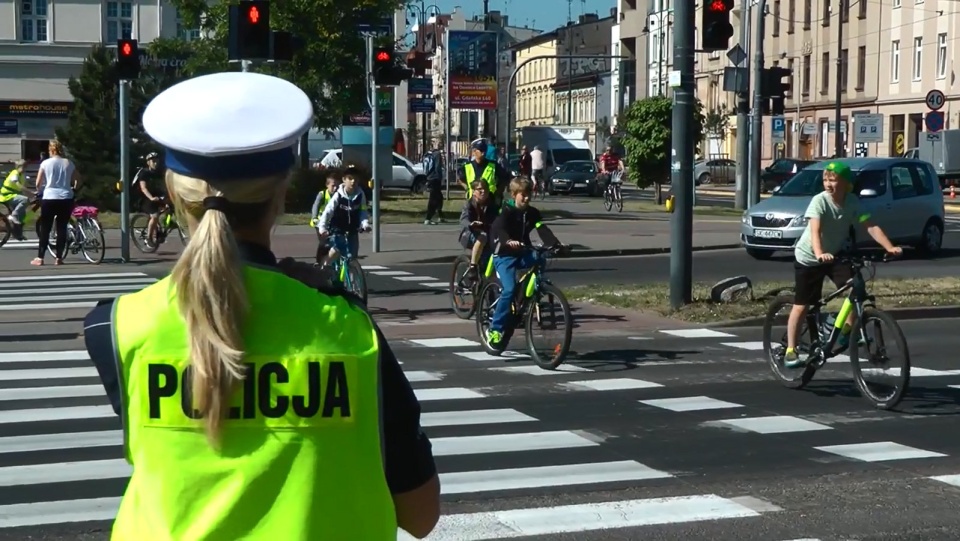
point(489, 176)
point(301, 457)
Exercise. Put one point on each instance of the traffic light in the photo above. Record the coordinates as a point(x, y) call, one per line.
point(128, 59)
point(715, 26)
point(386, 71)
point(249, 31)
point(285, 45)
point(776, 83)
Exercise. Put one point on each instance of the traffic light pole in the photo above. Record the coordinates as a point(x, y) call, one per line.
point(743, 112)
point(681, 221)
point(245, 65)
point(374, 145)
point(124, 93)
point(756, 133)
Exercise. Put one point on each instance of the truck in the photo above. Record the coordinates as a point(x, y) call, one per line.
point(559, 144)
point(942, 150)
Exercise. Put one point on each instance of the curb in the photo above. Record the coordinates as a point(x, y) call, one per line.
point(578, 254)
point(901, 314)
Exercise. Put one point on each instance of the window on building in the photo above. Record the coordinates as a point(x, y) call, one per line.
point(805, 76)
point(895, 61)
point(844, 56)
point(897, 124)
point(825, 73)
point(807, 13)
point(941, 56)
point(825, 16)
point(917, 58)
point(185, 31)
point(861, 67)
point(33, 20)
point(844, 10)
point(897, 3)
point(791, 80)
point(776, 18)
point(792, 16)
point(119, 21)
point(861, 10)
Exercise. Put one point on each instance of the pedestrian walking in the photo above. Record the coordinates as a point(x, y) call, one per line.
point(57, 181)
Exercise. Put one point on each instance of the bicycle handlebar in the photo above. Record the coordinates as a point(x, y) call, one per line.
point(861, 260)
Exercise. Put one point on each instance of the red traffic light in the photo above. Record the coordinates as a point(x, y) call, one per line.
point(383, 56)
point(718, 6)
point(126, 49)
point(253, 15)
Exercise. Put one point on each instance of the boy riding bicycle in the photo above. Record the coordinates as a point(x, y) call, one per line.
point(511, 235)
point(333, 178)
point(476, 218)
point(344, 216)
point(831, 214)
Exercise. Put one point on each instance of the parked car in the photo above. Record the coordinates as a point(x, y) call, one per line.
point(900, 195)
point(716, 171)
point(406, 174)
point(577, 176)
point(781, 171)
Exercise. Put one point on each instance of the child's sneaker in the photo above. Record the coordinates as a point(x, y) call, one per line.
point(792, 360)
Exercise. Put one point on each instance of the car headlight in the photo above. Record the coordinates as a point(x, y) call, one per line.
point(799, 221)
point(745, 218)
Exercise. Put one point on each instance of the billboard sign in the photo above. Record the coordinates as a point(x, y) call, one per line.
point(472, 63)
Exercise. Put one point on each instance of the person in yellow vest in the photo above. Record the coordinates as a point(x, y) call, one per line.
point(479, 167)
point(256, 403)
point(11, 193)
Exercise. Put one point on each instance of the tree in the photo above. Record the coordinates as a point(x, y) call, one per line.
point(716, 121)
point(647, 138)
point(329, 66)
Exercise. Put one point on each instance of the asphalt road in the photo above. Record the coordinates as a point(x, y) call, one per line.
point(661, 436)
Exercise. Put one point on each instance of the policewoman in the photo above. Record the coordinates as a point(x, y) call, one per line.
point(479, 167)
point(254, 405)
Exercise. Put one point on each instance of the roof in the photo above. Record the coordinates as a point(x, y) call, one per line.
point(534, 41)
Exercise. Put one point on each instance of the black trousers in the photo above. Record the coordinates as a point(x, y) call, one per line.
point(54, 211)
point(435, 201)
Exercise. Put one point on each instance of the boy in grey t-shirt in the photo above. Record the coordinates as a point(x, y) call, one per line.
point(831, 215)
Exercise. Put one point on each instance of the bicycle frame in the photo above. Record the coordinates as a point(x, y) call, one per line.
point(855, 301)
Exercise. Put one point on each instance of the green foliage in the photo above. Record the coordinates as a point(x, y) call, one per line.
point(646, 137)
point(330, 66)
point(716, 121)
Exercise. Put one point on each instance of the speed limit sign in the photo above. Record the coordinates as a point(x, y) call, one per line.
point(935, 100)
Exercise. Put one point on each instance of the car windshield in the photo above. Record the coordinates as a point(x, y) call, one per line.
point(810, 182)
point(579, 167)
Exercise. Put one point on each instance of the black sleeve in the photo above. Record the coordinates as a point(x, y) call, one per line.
point(98, 337)
point(408, 452)
point(498, 230)
point(544, 232)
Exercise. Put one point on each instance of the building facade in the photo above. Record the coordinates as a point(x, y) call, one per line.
point(535, 103)
point(891, 55)
point(43, 43)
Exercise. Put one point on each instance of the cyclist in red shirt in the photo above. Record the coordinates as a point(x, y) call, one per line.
point(610, 161)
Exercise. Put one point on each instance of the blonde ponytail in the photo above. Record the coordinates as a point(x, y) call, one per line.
point(211, 292)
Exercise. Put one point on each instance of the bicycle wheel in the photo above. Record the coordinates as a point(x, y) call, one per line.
point(543, 314)
point(93, 244)
point(356, 279)
point(6, 228)
point(462, 300)
point(877, 361)
point(139, 233)
point(618, 197)
point(774, 348)
point(487, 302)
point(607, 200)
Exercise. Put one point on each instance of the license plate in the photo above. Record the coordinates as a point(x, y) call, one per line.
point(579, 184)
point(768, 233)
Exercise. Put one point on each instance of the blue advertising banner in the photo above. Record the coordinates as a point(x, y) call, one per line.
point(472, 69)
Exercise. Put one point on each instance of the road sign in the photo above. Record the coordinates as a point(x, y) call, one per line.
point(737, 55)
point(423, 105)
point(933, 121)
point(420, 85)
point(935, 100)
point(778, 129)
point(868, 128)
point(933, 136)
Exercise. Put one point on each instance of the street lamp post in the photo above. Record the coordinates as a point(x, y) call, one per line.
point(421, 14)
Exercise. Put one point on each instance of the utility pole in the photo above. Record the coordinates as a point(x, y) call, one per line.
point(487, 124)
point(681, 222)
point(569, 76)
point(374, 104)
point(839, 149)
point(124, 171)
point(756, 135)
point(743, 111)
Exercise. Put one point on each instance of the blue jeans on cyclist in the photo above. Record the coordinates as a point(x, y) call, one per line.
point(507, 267)
point(346, 244)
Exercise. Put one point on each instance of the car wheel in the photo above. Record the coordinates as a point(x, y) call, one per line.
point(761, 255)
point(419, 184)
point(931, 240)
point(704, 179)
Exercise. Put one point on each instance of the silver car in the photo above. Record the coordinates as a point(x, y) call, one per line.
point(902, 196)
point(715, 171)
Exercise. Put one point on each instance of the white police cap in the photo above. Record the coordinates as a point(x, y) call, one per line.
point(229, 125)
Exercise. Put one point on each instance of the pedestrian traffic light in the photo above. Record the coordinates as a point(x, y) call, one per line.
point(715, 27)
point(386, 71)
point(249, 31)
point(128, 59)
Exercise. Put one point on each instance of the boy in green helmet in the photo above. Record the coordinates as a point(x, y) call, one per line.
point(831, 215)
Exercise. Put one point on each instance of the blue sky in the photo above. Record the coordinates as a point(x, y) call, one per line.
point(541, 14)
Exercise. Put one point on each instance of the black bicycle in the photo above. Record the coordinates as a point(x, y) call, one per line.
point(819, 334)
point(464, 289)
point(535, 303)
point(166, 224)
point(612, 196)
